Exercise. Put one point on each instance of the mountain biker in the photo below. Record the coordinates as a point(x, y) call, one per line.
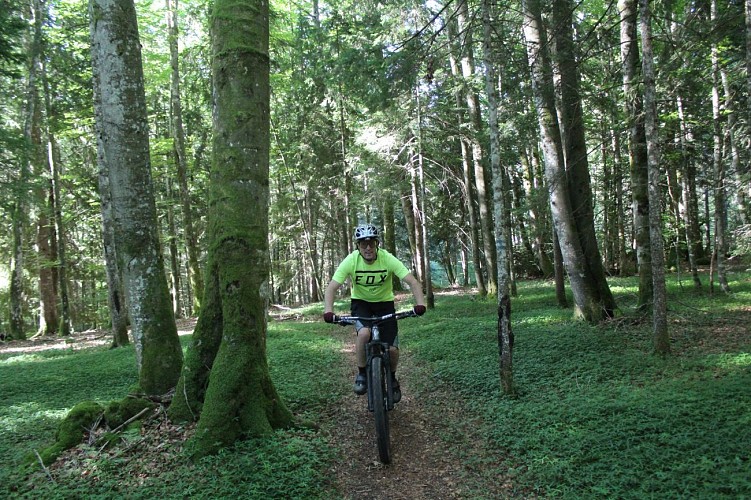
point(370, 269)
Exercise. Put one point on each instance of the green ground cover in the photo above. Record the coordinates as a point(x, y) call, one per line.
point(38, 390)
point(597, 415)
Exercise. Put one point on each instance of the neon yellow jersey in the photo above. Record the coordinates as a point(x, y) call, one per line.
point(371, 282)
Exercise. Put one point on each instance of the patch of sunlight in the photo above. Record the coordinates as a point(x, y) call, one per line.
point(16, 415)
point(734, 360)
point(61, 345)
point(22, 358)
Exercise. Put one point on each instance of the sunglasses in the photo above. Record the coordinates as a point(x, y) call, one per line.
point(368, 243)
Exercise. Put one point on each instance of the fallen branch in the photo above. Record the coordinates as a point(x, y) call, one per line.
point(131, 419)
point(46, 470)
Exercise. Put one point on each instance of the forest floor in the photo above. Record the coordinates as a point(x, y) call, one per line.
point(422, 466)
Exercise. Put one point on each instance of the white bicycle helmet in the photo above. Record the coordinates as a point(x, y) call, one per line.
point(364, 231)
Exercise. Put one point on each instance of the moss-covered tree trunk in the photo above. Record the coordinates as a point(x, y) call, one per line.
point(123, 151)
point(226, 382)
point(505, 335)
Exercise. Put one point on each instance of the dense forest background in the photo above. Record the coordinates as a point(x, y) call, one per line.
point(412, 115)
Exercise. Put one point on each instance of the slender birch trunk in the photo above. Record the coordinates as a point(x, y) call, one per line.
point(661, 336)
point(178, 136)
point(504, 332)
point(720, 188)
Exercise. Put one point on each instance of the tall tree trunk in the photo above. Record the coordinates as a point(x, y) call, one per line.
point(389, 228)
point(115, 291)
point(419, 249)
point(534, 193)
point(637, 148)
point(690, 205)
point(123, 150)
point(49, 317)
point(48, 312)
point(575, 155)
point(661, 336)
point(21, 202)
point(560, 275)
point(504, 332)
point(469, 182)
point(408, 210)
point(422, 215)
point(229, 346)
point(482, 180)
point(732, 141)
point(59, 238)
point(174, 255)
point(585, 293)
point(16, 294)
point(745, 184)
point(178, 136)
point(720, 190)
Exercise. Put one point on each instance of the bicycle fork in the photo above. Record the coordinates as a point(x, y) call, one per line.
point(380, 350)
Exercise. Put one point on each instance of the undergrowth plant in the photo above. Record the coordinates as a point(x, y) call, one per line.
point(39, 389)
point(597, 415)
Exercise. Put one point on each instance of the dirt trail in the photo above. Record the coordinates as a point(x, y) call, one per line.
point(420, 466)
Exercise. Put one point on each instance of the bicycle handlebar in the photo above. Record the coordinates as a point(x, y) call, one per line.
point(350, 320)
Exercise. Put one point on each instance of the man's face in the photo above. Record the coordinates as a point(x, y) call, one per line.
point(368, 249)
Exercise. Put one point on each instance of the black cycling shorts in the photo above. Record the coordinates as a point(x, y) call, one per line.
point(389, 330)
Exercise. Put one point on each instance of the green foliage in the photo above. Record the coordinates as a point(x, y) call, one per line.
point(39, 388)
point(81, 417)
point(303, 362)
point(596, 414)
point(11, 26)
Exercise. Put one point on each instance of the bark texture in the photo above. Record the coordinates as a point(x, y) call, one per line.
point(123, 150)
point(659, 309)
point(590, 303)
point(226, 377)
point(504, 333)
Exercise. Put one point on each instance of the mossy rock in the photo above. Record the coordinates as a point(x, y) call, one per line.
point(119, 412)
point(80, 419)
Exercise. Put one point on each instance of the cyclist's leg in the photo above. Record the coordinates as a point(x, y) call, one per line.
point(360, 308)
point(364, 309)
point(362, 339)
point(394, 361)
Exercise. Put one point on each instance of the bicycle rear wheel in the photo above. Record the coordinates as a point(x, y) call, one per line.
point(378, 386)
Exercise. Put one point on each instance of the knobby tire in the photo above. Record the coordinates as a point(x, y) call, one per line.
point(379, 409)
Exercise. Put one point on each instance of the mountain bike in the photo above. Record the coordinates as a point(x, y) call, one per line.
point(378, 375)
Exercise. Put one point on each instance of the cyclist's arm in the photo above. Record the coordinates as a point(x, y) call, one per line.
point(416, 288)
point(328, 296)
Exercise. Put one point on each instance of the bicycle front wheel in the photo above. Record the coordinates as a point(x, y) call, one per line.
point(378, 386)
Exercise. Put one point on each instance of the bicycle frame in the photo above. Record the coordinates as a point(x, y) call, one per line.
point(377, 348)
point(378, 373)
